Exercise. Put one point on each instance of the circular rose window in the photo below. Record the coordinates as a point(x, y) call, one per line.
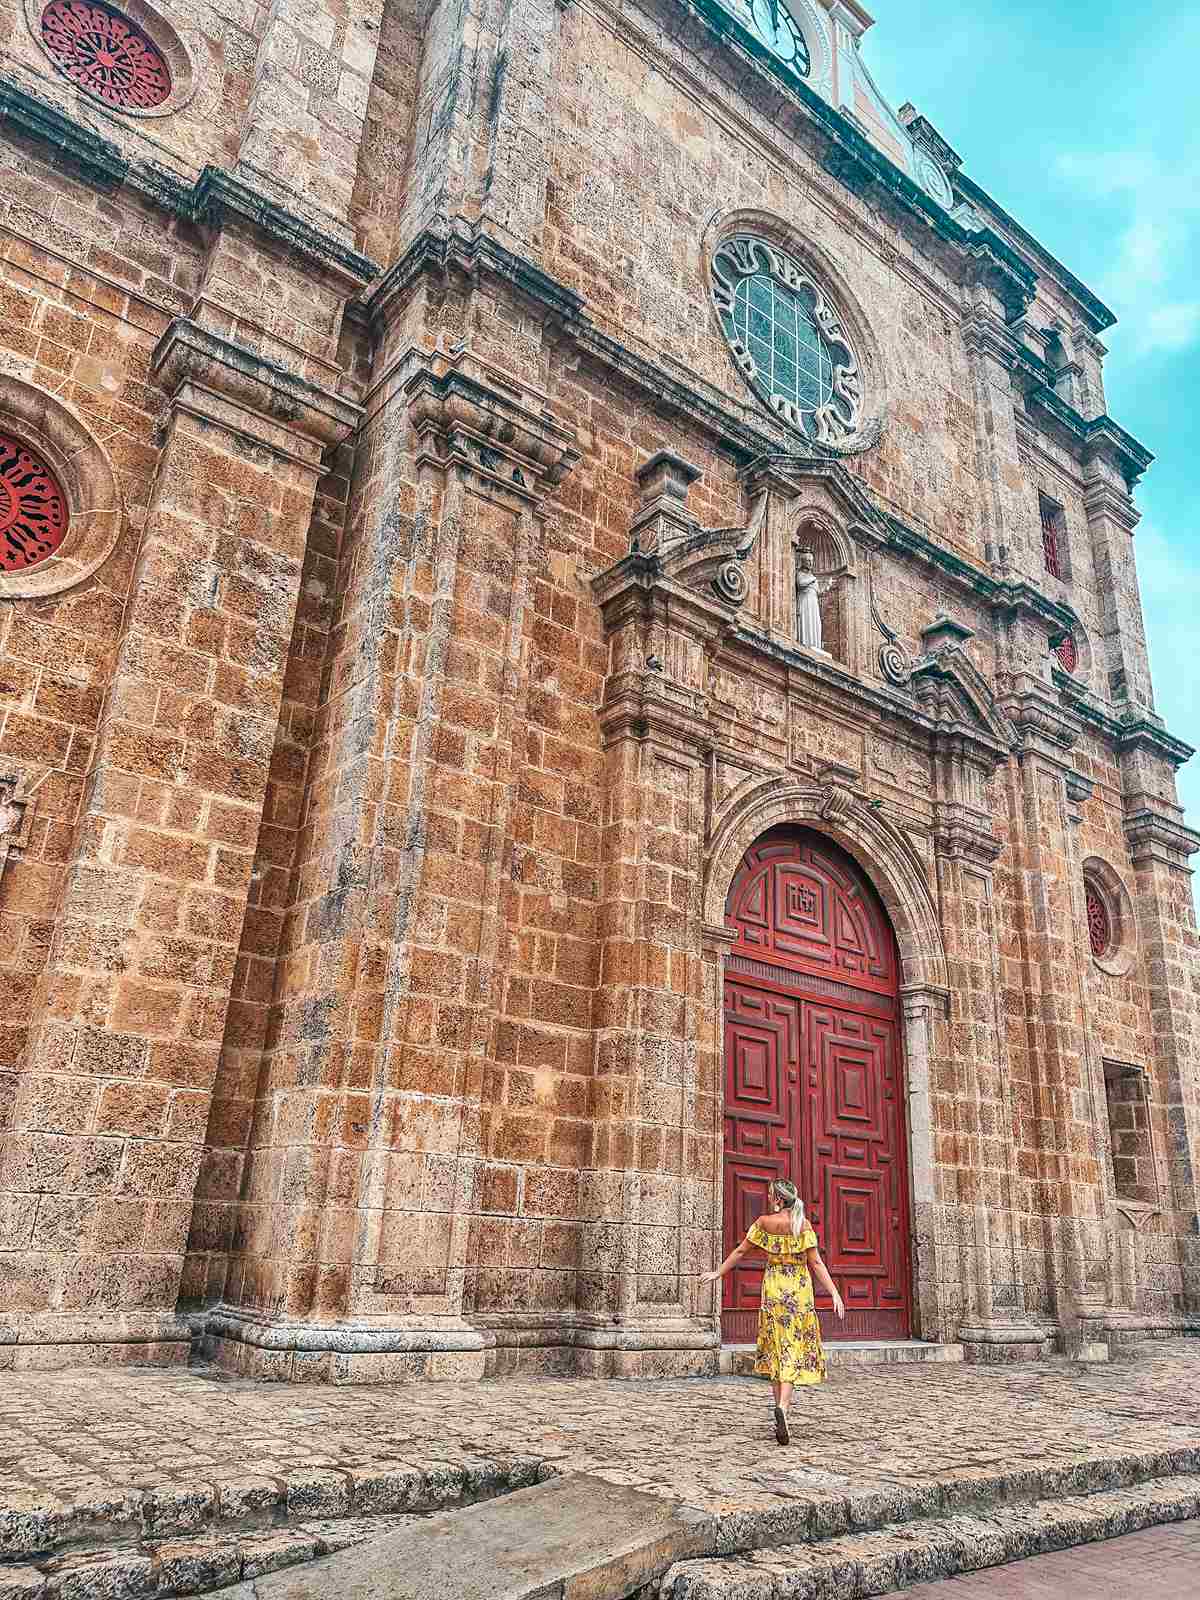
point(106, 54)
point(787, 339)
point(1099, 922)
point(33, 508)
point(1067, 652)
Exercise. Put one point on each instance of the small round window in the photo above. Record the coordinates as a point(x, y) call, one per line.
point(1067, 652)
point(1099, 922)
point(106, 54)
point(33, 508)
point(786, 339)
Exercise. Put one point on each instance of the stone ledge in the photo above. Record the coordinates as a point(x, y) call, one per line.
point(216, 198)
point(190, 358)
point(47, 1343)
point(896, 1555)
point(33, 1526)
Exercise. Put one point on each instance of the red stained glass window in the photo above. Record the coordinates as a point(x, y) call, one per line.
point(105, 53)
point(1099, 924)
point(1067, 652)
point(33, 508)
point(1050, 547)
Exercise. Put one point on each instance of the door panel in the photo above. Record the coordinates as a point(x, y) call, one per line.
point(762, 1094)
point(814, 1086)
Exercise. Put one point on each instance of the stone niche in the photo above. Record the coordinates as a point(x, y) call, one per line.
point(835, 574)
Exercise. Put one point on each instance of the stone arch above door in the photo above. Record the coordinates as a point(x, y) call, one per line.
point(881, 851)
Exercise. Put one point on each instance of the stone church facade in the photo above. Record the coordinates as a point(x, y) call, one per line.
point(569, 643)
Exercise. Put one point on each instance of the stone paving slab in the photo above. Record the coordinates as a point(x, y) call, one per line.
point(570, 1538)
point(93, 1456)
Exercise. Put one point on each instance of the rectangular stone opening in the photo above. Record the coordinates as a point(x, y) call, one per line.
point(1135, 1175)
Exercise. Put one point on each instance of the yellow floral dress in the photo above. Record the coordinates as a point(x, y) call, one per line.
point(789, 1335)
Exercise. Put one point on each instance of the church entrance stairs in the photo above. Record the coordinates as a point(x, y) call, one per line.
point(159, 1482)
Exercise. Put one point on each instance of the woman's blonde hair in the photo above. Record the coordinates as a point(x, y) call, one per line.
point(789, 1200)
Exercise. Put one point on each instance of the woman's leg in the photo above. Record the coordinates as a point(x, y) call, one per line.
point(783, 1396)
point(775, 1389)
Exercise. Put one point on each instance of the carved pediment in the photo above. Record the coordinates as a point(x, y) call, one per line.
point(951, 690)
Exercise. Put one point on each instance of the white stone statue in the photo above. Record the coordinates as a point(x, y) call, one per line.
point(808, 610)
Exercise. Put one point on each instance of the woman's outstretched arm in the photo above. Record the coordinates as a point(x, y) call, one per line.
point(731, 1260)
point(821, 1273)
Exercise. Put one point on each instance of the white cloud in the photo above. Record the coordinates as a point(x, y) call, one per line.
point(1169, 579)
point(1172, 326)
point(1150, 282)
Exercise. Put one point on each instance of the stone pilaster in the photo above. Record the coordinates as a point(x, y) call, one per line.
point(308, 102)
point(1112, 517)
point(1008, 510)
point(1160, 847)
point(359, 1221)
point(111, 1111)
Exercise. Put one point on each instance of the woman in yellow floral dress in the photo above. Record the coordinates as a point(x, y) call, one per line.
point(789, 1335)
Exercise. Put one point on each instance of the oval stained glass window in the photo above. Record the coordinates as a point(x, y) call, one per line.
point(106, 54)
point(1099, 922)
point(33, 508)
point(1067, 652)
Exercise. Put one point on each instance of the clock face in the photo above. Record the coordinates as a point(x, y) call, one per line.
point(774, 25)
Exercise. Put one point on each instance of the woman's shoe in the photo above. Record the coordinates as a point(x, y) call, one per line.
point(781, 1427)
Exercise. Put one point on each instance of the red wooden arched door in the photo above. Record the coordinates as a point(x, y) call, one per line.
point(814, 1084)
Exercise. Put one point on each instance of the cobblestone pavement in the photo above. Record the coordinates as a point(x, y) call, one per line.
point(1158, 1564)
point(77, 1433)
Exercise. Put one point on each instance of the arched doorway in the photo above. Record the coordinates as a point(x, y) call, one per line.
point(814, 1082)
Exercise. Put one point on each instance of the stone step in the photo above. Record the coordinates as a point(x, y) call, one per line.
point(738, 1359)
point(158, 1569)
point(570, 1538)
point(899, 1554)
point(35, 1525)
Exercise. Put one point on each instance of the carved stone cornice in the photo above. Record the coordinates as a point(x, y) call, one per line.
point(645, 705)
point(1102, 499)
point(216, 198)
point(220, 198)
point(959, 834)
point(1139, 732)
point(472, 254)
point(958, 704)
point(1153, 836)
point(466, 421)
point(924, 134)
point(985, 334)
point(924, 1000)
point(238, 389)
point(1039, 723)
point(715, 938)
point(1091, 437)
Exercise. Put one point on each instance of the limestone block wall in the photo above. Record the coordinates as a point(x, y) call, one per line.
point(428, 660)
point(146, 284)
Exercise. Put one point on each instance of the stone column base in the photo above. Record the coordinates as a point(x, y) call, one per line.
point(574, 1344)
point(255, 1346)
point(1123, 1329)
point(43, 1343)
point(547, 1344)
point(991, 1343)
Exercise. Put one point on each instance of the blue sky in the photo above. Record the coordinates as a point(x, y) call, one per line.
point(1082, 121)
